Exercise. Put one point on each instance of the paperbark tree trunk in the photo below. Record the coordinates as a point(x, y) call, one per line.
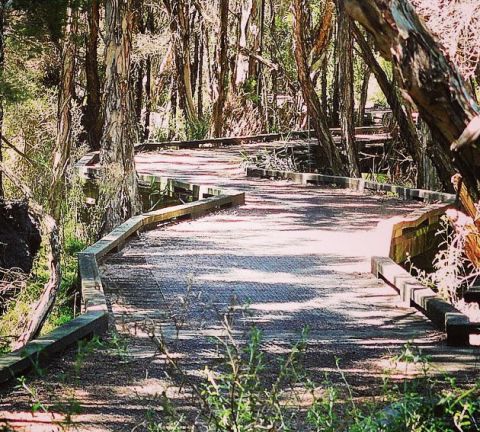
point(61, 155)
point(2, 69)
point(93, 113)
point(241, 67)
point(363, 96)
point(119, 191)
point(178, 10)
point(407, 130)
point(327, 155)
point(222, 71)
point(347, 99)
point(428, 78)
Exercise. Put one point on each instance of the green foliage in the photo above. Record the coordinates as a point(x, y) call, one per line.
point(248, 391)
point(14, 319)
point(197, 129)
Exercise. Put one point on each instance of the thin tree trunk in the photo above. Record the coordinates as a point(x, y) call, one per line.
point(408, 132)
point(119, 184)
point(200, 75)
point(242, 63)
point(178, 11)
point(222, 71)
point(2, 69)
point(335, 112)
point(347, 100)
point(148, 98)
point(363, 95)
point(260, 50)
point(148, 80)
point(63, 143)
point(172, 121)
point(93, 114)
point(327, 155)
point(324, 85)
point(429, 79)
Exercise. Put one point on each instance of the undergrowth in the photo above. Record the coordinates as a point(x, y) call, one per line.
point(453, 273)
point(18, 308)
point(249, 390)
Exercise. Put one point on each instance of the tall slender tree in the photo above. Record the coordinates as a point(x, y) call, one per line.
point(221, 71)
point(63, 142)
point(119, 186)
point(93, 115)
point(327, 154)
point(3, 4)
point(347, 98)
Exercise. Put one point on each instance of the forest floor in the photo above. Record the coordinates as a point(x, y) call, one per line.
point(294, 256)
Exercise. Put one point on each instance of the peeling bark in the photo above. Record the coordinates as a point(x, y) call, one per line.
point(119, 194)
point(427, 77)
point(63, 142)
point(347, 100)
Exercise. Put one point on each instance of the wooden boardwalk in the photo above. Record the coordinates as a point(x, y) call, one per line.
point(296, 255)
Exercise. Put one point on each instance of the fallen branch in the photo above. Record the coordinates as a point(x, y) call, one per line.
point(42, 307)
point(19, 152)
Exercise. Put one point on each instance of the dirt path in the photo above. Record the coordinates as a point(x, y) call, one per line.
point(297, 256)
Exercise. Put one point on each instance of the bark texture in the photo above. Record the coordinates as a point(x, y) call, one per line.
point(2, 67)
point(407, 130)
point(347, 98)
point(93, 113)
point(222, 71)
point(327, 155)
point(63, 142)
point(119, 194)
point(427, 77)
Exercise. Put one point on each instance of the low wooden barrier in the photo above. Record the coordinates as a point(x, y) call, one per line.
point(94, 319)
point(363, 132)
point(357, 184)
point(445, 316)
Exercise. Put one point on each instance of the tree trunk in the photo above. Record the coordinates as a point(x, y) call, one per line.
point(327, 155)
point(119, 184)
point(2, 69)
point(427, 77)
point(346, 78)
point(200, 74)
point(179, 13)
point(335, 112)
point(408, 132)
point(61, 155)
point(222, 71)
point(172, 120)
point(148, 80)
point(93, 114)
point(241, 67)
point(363, 96)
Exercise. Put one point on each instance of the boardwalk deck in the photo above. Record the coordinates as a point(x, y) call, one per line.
point(297, 255)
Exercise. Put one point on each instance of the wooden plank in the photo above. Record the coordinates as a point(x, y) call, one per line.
point(443, 314)
point(115, 238)
point(361, 131)
point(37, 352)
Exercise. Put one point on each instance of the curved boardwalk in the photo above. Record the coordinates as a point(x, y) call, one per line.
point(297, 256)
